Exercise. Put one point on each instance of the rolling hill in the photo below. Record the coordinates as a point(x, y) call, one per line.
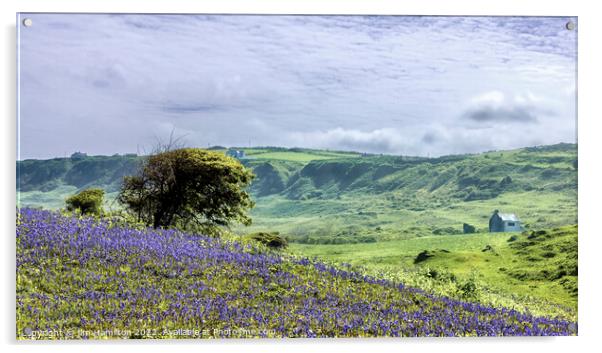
point(365, 198)
point(300, 174)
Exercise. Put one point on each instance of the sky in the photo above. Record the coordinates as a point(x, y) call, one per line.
point(422, 86)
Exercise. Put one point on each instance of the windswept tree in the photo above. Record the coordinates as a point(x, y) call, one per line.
point(189, 187)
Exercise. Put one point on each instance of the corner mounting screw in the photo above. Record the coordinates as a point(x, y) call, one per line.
point(570, 25)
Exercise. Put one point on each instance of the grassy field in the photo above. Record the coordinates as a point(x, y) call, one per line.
point(366, 218)
point(385, 239)
point(300, 155)
point(55, 199)
point(303, 155)
point(541, 266)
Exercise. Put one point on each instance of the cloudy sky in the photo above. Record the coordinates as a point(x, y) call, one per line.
point(105, 84)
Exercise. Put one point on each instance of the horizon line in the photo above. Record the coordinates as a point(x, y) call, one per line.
point(124, 154)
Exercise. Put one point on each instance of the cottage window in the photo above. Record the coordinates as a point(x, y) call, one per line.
point(510, 224)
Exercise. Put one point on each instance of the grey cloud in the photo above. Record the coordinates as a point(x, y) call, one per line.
point(429, 138)
point(191, 108)
point(108, 77)
point(435, 140)
point(496, 108)
point(488, 114)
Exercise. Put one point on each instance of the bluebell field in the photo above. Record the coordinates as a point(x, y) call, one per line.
point(80, 277)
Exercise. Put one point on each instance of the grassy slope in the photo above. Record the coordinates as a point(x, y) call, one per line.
point(542, 266)
point(296, 155)
point(47, 183)
point(351, 219)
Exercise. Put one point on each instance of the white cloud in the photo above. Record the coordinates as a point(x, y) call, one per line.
point(493, 98)
point(375, 141)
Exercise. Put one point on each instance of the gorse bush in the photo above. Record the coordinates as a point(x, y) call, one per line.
point(88, 201)
point(272, 239)
point(470, 288)
point(468, 229)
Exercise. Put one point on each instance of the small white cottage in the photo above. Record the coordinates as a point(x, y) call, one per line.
point(236, 153)
point(504, 222)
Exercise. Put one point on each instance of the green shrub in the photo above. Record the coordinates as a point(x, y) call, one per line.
point(272, 239)
point(88, 201)
point(470, 288)
point(468, 229)
point(423, 256)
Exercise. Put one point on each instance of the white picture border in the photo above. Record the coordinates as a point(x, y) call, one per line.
point(589, 136)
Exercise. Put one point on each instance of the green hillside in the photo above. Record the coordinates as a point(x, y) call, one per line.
point(466, 178)
point(47, 183)
point(385, 197)
point(365, 198)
